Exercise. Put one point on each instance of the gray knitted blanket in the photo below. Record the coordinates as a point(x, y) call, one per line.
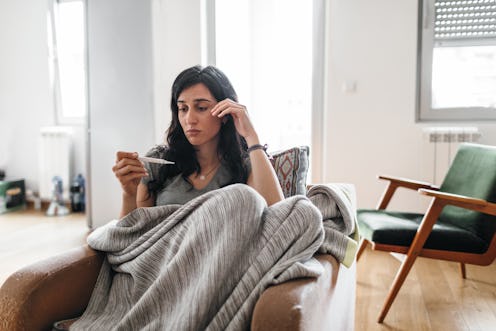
point(203, 265)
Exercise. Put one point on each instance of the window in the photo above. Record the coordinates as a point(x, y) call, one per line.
point(458, 60)
point(266, 49)
point(66, 30)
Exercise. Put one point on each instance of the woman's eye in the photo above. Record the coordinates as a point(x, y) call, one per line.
point(182, 109)
point(202, 108)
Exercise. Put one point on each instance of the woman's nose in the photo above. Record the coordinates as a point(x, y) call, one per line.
point(191, 117)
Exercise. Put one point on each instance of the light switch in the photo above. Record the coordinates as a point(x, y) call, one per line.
point(349, 86)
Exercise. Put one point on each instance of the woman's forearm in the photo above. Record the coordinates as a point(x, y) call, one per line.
point(263, 178)
point(128, 204)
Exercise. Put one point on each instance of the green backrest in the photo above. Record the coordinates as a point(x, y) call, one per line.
point(473, 174)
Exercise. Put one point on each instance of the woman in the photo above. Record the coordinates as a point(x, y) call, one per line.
point(211, 141)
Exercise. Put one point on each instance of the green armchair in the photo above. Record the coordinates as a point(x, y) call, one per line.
point(459, 225)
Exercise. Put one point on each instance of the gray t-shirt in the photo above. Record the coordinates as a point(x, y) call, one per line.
point(178, 190)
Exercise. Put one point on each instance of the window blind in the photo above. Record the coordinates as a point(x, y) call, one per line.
point(465, 22)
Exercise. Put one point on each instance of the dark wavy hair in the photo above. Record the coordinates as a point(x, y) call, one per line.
point(232, 146)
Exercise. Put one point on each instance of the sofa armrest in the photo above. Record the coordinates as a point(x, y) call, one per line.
point(323, 303)
point(52, 289)
point(60, 287)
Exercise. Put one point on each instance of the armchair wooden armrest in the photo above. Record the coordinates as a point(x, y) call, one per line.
point(441, 199)
point(479, 205)
point(395, 182)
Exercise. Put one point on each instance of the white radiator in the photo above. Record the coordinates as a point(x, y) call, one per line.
point(55, 155)
point(440, 146)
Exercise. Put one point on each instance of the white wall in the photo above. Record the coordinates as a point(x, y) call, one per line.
point(373, 131)
point(120, 83)
point(136, 49)
point(25, 102)
point(176, 33)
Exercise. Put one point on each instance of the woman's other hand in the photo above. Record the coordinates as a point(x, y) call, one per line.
point(262, 177)
point(240, 117)
point(129, 171)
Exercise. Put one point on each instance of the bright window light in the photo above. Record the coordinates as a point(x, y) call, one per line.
point(464, 77)
point(68, 46)
point(266, 51)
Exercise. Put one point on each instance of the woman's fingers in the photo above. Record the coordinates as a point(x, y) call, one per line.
point(239, 114)
point(127, 158)
point(128, 169)
point(126, 155)
point(236, 110)
point(228, 106)
point(131, 178)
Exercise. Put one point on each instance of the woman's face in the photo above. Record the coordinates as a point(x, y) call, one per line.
point(194, 105)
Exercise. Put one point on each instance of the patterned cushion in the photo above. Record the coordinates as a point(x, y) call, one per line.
point(291, 166)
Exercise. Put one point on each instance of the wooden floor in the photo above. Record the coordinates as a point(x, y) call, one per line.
point(28, 236)
point(434, 296)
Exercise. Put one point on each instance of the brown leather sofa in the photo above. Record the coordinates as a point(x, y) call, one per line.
point(59, 288)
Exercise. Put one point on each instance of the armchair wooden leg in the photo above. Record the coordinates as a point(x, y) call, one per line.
point(361, 248)
point(463, 270)
point(418, 242)
point(397, 283)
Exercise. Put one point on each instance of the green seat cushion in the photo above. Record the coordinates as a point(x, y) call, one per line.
point(397, 228)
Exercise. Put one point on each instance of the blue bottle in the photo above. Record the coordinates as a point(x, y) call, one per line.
point(77, 194)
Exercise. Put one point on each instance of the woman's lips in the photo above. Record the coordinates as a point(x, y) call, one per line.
point(192, 132)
